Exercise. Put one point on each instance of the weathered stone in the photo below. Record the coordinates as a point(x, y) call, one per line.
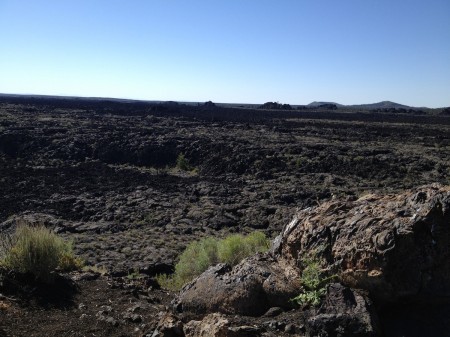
point(168, 326)
point(251, 288)
point(217, 325)
point(213, 325)
point(345, 312)
point(392, 245)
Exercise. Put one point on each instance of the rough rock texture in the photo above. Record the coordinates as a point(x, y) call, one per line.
point(217, 325)
point(345, 312)
point(106, 170)
point(393, 245)
point(168, 326)
point(253, 286)
point(103, 175)
point(213, 325)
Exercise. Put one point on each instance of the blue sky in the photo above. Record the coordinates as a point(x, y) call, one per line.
point(245, 51)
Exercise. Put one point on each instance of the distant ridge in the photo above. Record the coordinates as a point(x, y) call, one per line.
point(379, 105)
point(371, 106)
point(315, 104)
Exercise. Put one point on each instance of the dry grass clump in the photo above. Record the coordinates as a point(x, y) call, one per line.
point(38, 251)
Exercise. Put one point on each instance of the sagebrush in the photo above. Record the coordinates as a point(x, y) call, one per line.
point(38, 251)
point(236, 247)
point(200, 255)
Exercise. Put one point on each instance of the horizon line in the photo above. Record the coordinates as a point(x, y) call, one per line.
point(62, 96)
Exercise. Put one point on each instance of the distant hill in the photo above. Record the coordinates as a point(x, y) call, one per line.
point(384, 105)
point(371, 106)
point(315, 104)
point(381, 105)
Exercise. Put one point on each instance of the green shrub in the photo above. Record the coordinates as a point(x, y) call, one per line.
point(313, 282)
point(257, 242)
point(200, 255)
point(194, 260)
point(235, 248)
point(197, 257)
point(232, 249)
point(182, 163)
point(38, 251)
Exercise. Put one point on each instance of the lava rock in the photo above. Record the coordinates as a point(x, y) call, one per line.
point(391, 245)
point(168, 326)
point(250, 288)
point(346, 312)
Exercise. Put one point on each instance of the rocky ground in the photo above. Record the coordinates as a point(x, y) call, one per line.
point(390, 254)
point(104, 175)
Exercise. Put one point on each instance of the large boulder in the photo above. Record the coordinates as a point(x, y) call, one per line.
point(391, 245)
point(385, 249)
point(250, 288)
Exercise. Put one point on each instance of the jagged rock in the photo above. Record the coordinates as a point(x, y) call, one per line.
point(275, 106)
point(168, 326)
point(392, 245)
point(216, 325)
point(251, 288)
point(345, 311)
point(213, 325)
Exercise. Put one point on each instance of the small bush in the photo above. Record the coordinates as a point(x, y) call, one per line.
point(194, 260)
point(38, 251)
point(235, 248)
point(257, 242)
point(200, 255)
point(232, 249)
point(313, 282)
point(182, 163)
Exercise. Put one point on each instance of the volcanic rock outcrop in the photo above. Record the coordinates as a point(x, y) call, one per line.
point(393, 245)
point(392, 248)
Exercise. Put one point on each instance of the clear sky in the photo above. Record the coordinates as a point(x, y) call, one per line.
point(240, 51)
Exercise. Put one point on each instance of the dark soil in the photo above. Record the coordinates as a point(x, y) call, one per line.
point(104, 175)
point(98, 306)
point(109, 307)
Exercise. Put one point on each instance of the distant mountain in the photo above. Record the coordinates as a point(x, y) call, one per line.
point(381, 105)
point(315, 104)
point(371, 106)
